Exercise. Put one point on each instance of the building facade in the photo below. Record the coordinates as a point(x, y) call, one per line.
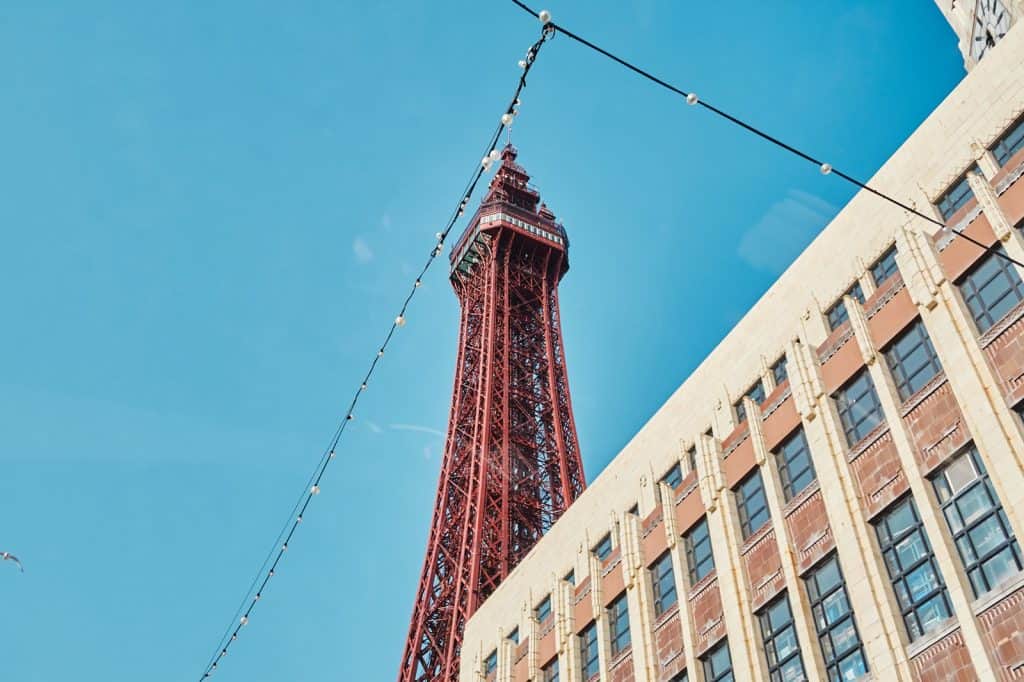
point(837, 492)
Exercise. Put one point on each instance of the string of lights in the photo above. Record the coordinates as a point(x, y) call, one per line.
point(826, 168)
point(276, 553)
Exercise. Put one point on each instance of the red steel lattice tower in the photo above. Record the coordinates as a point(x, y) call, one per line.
point(511, 463)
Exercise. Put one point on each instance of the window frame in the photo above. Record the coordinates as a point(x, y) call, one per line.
point(946, 205)
point(707, 663)
point(897, 355)
point(981, 582)
point(780, 366)
point(838, 315)
point(818, 601)
point(691, 458)
point(588, 642)
point(889, 543)
point(745, 494)
point(885, 267)
point(491, 663)
point(784, 459)
point(983, 318)
point(543, 606)
point(852, 427)
point(618, 626)
point(1003, 157)
point(663, 584)
point(755, 393)
point(549, 672)
point(603, 548)
point(513, 636)
point(698, 568)
point(770, 635)
point(674, 472)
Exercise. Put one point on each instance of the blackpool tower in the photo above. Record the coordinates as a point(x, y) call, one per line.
point(511, 463)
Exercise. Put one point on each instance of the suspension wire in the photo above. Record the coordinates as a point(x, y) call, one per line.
point(826, 168)
point(280, 546)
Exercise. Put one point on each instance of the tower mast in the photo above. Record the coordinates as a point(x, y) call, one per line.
point(511, 464)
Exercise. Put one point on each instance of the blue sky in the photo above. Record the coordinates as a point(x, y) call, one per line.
point(211, 214)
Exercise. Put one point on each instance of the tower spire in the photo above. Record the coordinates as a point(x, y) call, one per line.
point(512, 464)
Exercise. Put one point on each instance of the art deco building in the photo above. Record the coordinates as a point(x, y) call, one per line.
point(837, 492)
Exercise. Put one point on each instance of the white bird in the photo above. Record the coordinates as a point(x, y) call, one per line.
point(7, 556)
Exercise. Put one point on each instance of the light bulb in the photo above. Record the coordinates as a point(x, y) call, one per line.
point(399, 321)
point(380, 353)
point(417, 284)
point(485, 162)
point(350, 416)
point(522, 63)
point(506, 119)
point(494, 155)
point(826, 168)
point(284, 547)
point(439, 236)
point(315, 490)
point(298, 519)
point(544, 16)
point(692, 98)
point(244, 620)
point(257, 597)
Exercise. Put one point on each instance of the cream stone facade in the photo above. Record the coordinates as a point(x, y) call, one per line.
point(971, 406)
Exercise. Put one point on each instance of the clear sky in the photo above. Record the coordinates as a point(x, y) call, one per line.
point(211, 213)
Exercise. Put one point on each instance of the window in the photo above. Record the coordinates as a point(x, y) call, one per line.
point(795, 466)
point(751, 504)
point(570, 578)
point(588, 652)
point(885, 267)
point(991, 288)
point(491, 662)
point(838, 314)
point(673, 477)
point(691, 459)
point(987, 546)
point(543, 609)
point(915, 577)
point(833, 620)
point(618, 624)
point(955, 197)
point(513, 636)
point(550, 671)
point(1020, 410)
point(663, 581)
point(755, 393)
point(781, 647)
point(1011, 142)
point(912, 360)
point(779, 371)
point(699, 558)
point(681, 677)
point(634, 510)
point(717, 663)
point(859, 409)
point(603, 548)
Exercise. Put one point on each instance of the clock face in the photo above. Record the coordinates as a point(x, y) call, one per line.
point(991, 22)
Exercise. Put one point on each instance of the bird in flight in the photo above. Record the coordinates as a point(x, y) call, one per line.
point(7, 556)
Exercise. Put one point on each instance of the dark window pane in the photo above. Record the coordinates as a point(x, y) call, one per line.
point(917, 583)
point(885, 267)
point(603, 548)
point(664, 582)
point(796, 469)
point(618, 624)
point(543, 609)
point(699, 558)
point(1011, 142)
point(991, 288)
point(751, 504)
point(987, 546)
point(588, 652)
point(491, 663)
point(550, 671)
point(912, 360)
point(717, 663)
point(859, 409)
point(955, 197)
point(779, 370)
point(673, 477)
point(833, 621)
point(778, 637)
